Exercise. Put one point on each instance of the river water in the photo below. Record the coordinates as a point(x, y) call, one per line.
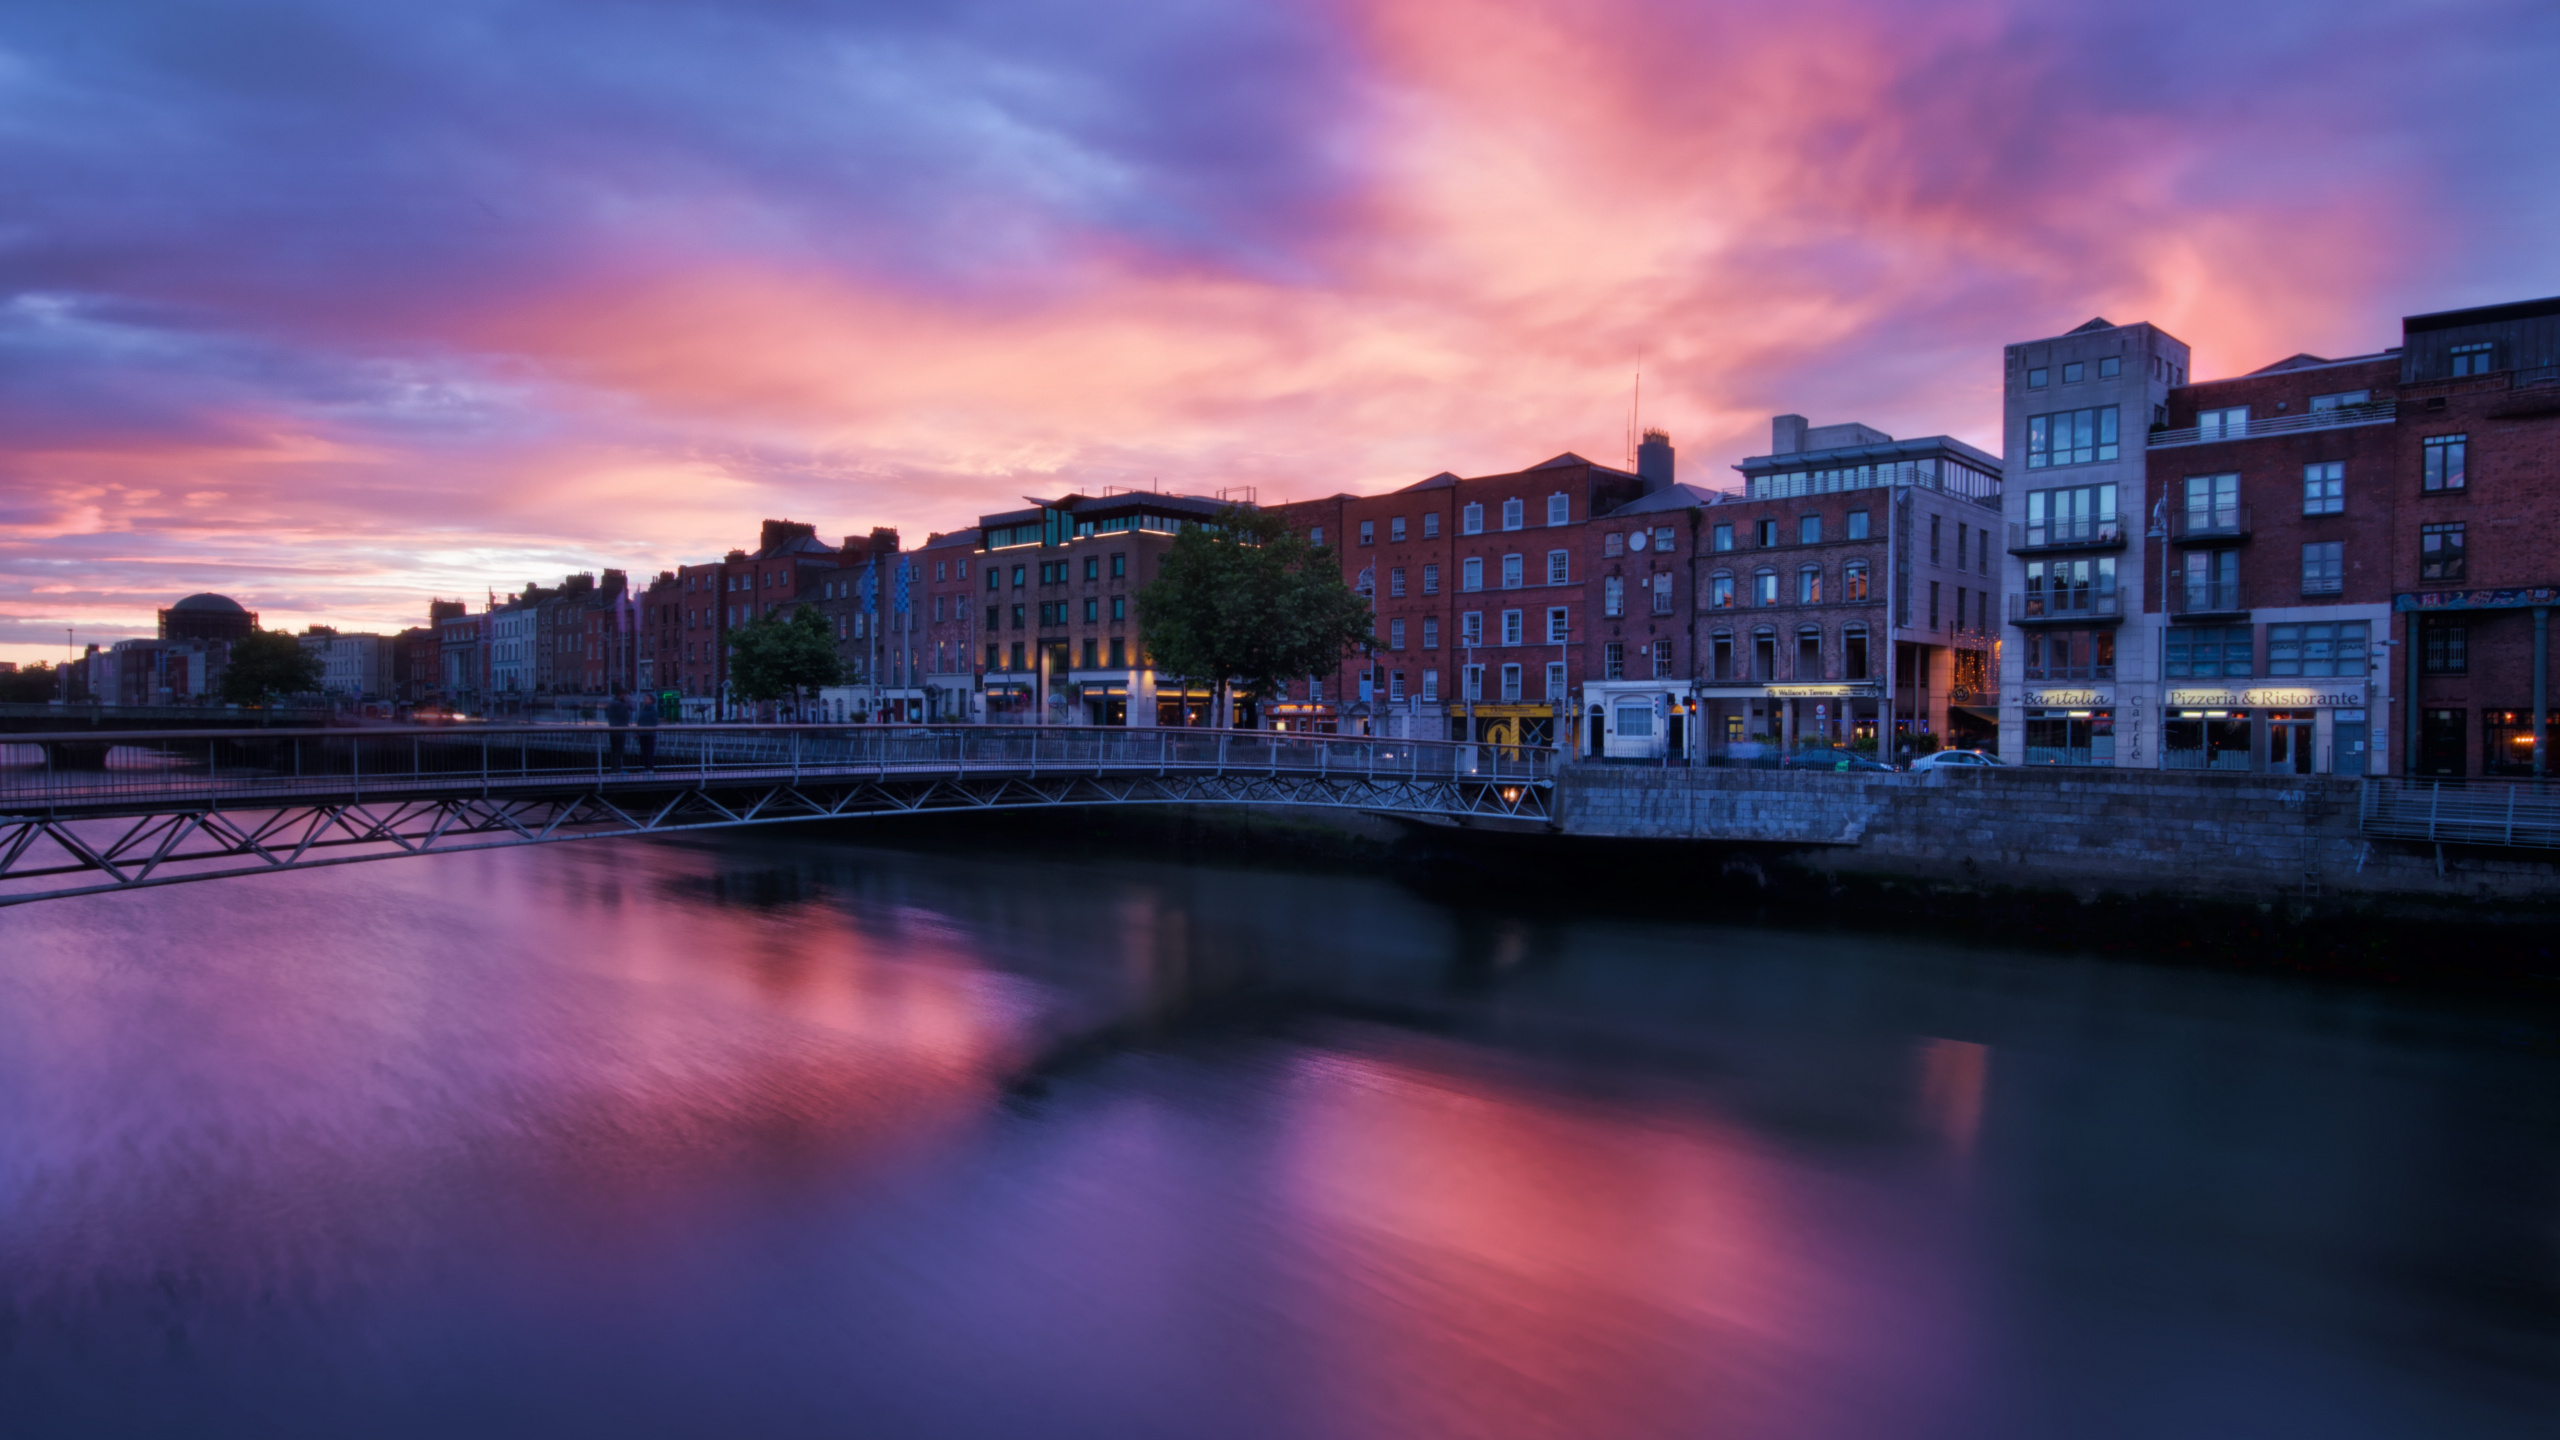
point(787, 1136)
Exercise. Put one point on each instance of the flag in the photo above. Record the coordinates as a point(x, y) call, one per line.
point(870, 587)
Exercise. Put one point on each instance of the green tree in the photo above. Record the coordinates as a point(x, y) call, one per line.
point(1248, 601)
point(268, 664)
point(32, 685)
point(783, 657)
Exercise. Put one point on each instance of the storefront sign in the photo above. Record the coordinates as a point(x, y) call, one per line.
point(2517, 599)
point(1821, 692)
point(2266, 698)
point(2081, 699)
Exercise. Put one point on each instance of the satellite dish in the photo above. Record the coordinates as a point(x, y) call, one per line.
point(1635, 540)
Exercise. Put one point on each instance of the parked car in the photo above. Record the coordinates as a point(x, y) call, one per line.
point(1842, 761)
point(1954, 759)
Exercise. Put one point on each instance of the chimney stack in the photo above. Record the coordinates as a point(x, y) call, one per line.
point(1654, 461)
point(1786, 435)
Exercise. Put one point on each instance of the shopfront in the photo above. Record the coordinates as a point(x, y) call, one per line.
point(2069, 726)
point(1010, 700)
point(1845, 716)
point(2266, 730)
point(1504, 723)
point(1300, 719)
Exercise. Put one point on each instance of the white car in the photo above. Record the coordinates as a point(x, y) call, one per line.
point(1953, 760)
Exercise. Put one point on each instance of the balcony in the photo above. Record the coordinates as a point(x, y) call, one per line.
point(2379, 413)
point(2107, 534)
point(2066, 607)
point(2206, 600)
point(2206, 527)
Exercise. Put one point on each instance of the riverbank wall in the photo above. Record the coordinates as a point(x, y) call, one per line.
point(2133, 832)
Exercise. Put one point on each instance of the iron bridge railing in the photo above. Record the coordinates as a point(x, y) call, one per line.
point(87, 772)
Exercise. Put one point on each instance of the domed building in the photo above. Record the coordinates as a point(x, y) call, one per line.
point(207, 617)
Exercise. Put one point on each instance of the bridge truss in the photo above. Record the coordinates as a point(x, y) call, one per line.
point(169, 815)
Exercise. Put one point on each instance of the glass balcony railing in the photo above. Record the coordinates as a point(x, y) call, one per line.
point(2065, 607)
point(2220, 522)
point(2074, 534)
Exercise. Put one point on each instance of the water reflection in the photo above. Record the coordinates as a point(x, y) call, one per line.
point(662, 1139)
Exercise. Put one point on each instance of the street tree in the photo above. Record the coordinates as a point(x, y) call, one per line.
point(267, 665)
point(783, 657)
point(1248, 601)
point(30, 685)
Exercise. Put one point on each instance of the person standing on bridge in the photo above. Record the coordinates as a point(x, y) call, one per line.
point(617, 716)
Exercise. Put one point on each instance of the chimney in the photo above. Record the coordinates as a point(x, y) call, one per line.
point(1653, 461)
point(884, 541)
point(781, 532)
point(1786, 435)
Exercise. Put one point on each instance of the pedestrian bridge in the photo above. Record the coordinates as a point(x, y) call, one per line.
point(82, 813)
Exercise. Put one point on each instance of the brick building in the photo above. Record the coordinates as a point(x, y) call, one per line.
point(2274, 495)
point(2476, 552)
point(948, 625)
point(1850, 593)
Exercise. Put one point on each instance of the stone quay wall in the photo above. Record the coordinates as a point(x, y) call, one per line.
point(2249, 838)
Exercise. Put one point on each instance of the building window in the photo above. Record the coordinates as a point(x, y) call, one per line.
point(1613, 661)
point(2037, 377)
point(1809, 530)
point(2324, 567)
point(2440, 552)
point(1724, 537)
point(1431, 632)
point(1431, 525)
point(2444, 462)
point(2110, 367)
point(1764, 587)
point(1395, 634)
point(1853, 581)
point(1809, 585)
point(1395, 529)
point(1613, 596)
point(2473, 359)
point(2213, 502)
point(1019, 574)
point(1933, 538)
point(1119, 607)
point(1092, 610)
point(1853, 653)
point(1119, 652)
point(1430, 686)
point(1559, 567)
point(2228, 423)
point(1471, 573)
point(1471, 628)
point(1395, 686)
point(1511, 677)
point(2071, 437)
point(1662, 593)
point(2324, 488)
point(1661, 659)
point(2075, 515)
point(1559, 509)
point(1093, 655)
point(1017, 616)
point(1515, 514)
point(1430, 579)
point(1512, 577)
point(1512, 630)
point(2447, 648)
point(1857, 524)
point(1555, 680)
point(2070, 654)
point(1315, 536)
point(1720, 590)
point(1933, 604)
point(1767, 533)
point(1663, 536)
point(2329, 648)
point(2073, 372)
point(1368, 532)
point(1018, 662)
point(1472, 677)
point(1119, 565)
point(1395, 582)
point(1612, 545)
point(2203, 652)
point(2344, 399)
point(1809, 653)
point(1559, 629)
point(1471, 519)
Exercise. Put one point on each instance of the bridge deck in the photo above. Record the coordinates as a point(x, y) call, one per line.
point(78, 816)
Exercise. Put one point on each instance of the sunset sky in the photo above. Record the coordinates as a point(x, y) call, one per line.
point(333, 308)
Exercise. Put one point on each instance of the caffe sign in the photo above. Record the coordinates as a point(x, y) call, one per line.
point(2066, 699)
point(2267, 697)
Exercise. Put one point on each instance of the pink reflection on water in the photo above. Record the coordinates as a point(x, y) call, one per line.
point(1507, 1260)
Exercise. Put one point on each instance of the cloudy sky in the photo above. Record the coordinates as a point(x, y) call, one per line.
point(334, 307)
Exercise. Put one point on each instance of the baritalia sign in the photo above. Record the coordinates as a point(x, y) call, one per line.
point(2268, 697)
point(2065, 697)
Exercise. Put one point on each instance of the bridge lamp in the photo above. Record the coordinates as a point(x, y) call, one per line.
point(1510, 794)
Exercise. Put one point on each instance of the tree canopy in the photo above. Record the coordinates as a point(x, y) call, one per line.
point(1249, 601)
point(30, 685)
point(783, 657)
point(267, 664)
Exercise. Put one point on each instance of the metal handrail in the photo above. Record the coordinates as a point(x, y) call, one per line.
point(2519, 812)
point(2380, 412)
